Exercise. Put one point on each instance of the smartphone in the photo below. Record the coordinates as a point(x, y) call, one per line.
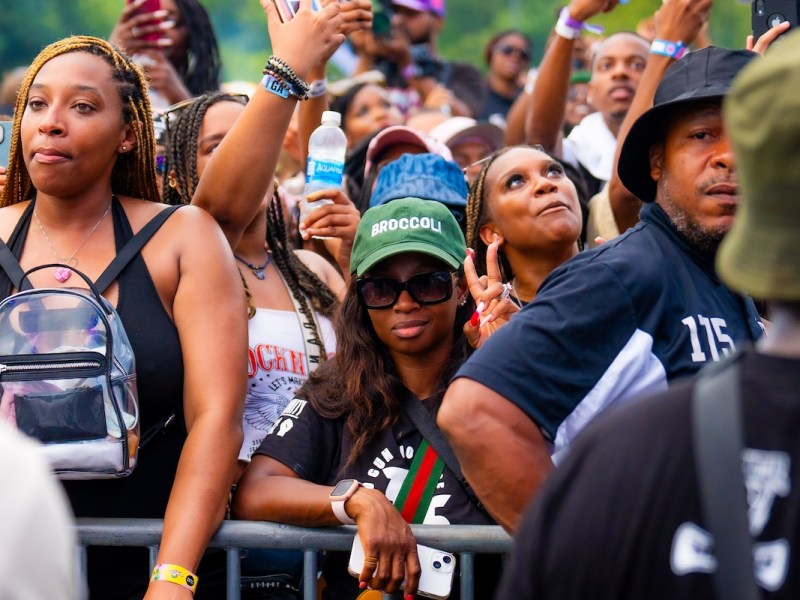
point(769, 13)
point(287, 9)
point(438, 568)
point(5, 142)
point(150, 6)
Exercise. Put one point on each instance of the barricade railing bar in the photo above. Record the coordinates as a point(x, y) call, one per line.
point(233, 536)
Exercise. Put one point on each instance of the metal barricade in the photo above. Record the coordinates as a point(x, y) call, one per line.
point(233, 536)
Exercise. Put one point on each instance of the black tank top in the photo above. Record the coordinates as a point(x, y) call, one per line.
point(159, 377)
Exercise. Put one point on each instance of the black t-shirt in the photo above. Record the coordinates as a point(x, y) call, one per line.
point(621, 518)
point(316, 449)
point(496, 105)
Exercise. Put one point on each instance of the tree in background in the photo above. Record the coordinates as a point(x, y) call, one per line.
point(25, 27)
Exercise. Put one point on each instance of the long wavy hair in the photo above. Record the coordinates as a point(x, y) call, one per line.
point(134, 173)
point(361, 382)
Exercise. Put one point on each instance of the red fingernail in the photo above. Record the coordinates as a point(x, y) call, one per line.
point(362, 585)
point(471, 253)
point(409, 596)
point(475, 318)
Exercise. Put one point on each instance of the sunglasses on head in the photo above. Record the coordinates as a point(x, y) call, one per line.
point(425, 288)
point(173, 112)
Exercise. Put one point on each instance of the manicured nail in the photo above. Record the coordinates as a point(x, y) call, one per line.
point(164, 42)
point(160, 14)
point(362, 584)
point(471, 253)
point(475, 319)
point(166, 24)
point(481, 307)
point(409, 596)
point(486, 319)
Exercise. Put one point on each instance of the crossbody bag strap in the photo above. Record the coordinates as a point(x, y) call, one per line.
point(132, 248)
point(314, 350)
point(425, 424)
point(717, 432)
point(10, 264)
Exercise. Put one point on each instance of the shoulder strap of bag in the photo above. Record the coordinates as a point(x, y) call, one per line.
point(314, 350)
point(425, 424)
point(10, 264)
point(717, 432)
point(132, 248)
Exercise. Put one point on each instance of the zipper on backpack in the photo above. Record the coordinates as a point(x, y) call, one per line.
point(75, 365)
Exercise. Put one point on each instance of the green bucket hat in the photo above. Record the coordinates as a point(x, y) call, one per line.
point(407, 225)
point(761, 254)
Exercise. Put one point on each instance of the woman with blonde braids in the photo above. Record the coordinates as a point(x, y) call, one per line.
point(81, 182)
point(523, 199)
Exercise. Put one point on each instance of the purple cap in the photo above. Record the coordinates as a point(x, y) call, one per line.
point(432, 6)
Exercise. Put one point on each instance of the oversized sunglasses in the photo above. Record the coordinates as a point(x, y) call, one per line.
point(425, 288)
point(509, 50)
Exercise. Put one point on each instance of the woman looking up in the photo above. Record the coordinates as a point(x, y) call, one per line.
point(82, 170)
point(523, 200)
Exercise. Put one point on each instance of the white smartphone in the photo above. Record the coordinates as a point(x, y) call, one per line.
point(438, 568)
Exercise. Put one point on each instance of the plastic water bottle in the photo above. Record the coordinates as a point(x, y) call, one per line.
point(327, 147)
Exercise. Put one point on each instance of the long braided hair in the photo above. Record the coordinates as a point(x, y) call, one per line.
point(478, 215)
point(134, 173)
point(200, 69)
point(181, 159)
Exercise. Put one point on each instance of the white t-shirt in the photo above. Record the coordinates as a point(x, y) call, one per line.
point(277, 367)
point(37, 538)
point(592, 144)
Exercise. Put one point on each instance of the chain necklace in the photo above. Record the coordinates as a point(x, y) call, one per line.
point(258, 270)
point(514, 298)
point(61, 274)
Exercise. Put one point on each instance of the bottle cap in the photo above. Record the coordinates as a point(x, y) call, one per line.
point(331, 117)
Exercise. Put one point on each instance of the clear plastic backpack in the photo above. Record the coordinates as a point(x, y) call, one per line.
point(68, 379)
point(67, 369)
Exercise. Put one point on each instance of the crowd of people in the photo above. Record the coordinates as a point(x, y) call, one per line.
point(507, 314)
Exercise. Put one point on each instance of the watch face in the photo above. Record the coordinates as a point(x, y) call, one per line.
point(342, 487)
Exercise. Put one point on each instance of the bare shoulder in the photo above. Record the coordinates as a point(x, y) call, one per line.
point(186, 224)
point(9, 217)
point(321, 267)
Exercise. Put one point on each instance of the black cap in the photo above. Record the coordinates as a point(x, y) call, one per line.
point(702, 75)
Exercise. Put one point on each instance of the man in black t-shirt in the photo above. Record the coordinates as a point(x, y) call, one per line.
point(622, 517)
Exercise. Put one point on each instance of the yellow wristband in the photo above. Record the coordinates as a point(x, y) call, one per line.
point(175, 574)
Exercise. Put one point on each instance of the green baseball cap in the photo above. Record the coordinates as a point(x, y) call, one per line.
point(407, 225)
point(761, 255)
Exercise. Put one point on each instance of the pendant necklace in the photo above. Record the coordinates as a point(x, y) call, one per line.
point(61, 274)
point(258, 270)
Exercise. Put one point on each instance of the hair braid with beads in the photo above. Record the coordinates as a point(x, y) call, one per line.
point(134, 173)
point(200, 70)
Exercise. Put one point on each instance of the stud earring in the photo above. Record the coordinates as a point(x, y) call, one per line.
point(463, 301)
point(124, 148)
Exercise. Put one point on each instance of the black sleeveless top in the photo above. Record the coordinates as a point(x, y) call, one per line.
point(159, 377)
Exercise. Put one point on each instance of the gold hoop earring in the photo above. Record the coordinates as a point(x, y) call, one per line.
point(172, 182)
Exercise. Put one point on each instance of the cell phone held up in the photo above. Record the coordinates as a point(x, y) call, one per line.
point(287, 9)
point(436, 578)
point(150, 6)
point(769, 13)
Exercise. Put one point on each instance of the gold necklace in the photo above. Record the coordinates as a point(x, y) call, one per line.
point(61, 274)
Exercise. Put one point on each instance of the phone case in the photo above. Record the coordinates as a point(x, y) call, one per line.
point(288, 8)
point(768, 13)
point(5, 142)
point(438, 569)
point(149, 7)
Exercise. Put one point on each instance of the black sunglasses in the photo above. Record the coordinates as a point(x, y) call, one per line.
point(509, 50)
point(425, 288)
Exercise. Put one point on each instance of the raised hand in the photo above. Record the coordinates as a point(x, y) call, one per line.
point(337, 221)
point(311, 37)
point(129, 30)
point(681, 20)
point(494, 306)
point(765, 41)
point(583, 10)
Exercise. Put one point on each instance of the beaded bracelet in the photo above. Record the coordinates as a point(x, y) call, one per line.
point(175, 574)
point(276, 83)
point(281, 68)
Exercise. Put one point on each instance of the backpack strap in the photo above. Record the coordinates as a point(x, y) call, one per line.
point(10, 264)
point(717, 433)
point(132, 248)
point(425, 424)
